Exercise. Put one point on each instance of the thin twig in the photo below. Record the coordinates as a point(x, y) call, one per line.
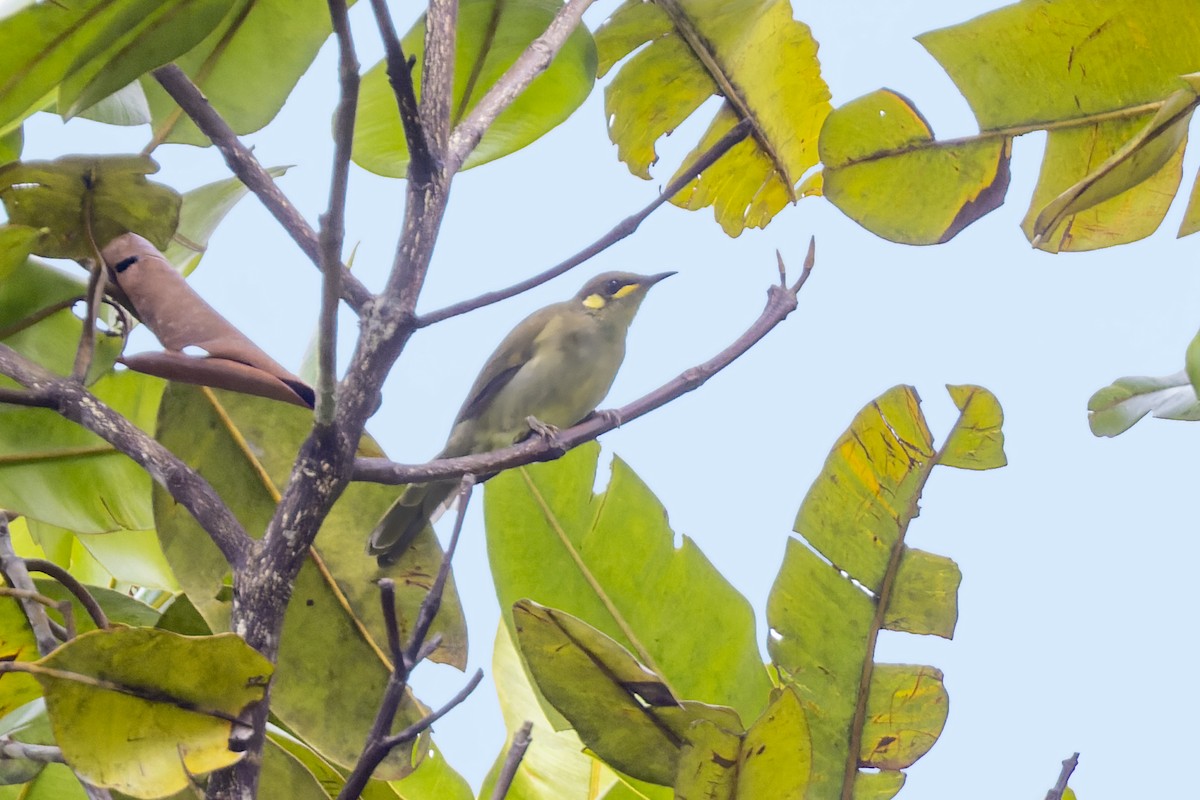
point(184, 484)
point(512, 761)
point(246, 167)
point(38, 316)
point(17, 576)
point(97, 281)
point(333, 221)
point(533, 61)
point(1068, 767)
point(379, 743)
point(72, 585)
point(418, 727)
point(622, 229)
point(40, 753)
point(61, 633)
point(399, 72)
point(780, 303)
point(23, 397)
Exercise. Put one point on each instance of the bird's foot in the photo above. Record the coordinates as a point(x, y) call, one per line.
point(542, 429)
point(610, 415)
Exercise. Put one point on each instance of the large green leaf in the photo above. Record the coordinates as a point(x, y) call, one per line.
point(853, 575)
point(490, 36)
point(244, 446)
point(1112, 85)
point(88, 49)
point(142, 710)
point(611, 560)
point(697, 49)
point(109, 193)
point(228, 66)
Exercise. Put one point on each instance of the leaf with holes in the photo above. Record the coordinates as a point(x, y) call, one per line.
point(853, 575)
point(698, 49)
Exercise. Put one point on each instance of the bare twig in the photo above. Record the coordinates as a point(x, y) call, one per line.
point(533, 61)
point(72, 585)
point(184, 484)
point(780, 303)
point(41, 753)
point(516, 752)
point(17, 576)
point(61, 632)
point(399, 72)
point(95, 295)
point(1068, 767)
point(22, 397)
point(623, 229)
point(379, 743)
point(245, 166)
point(333, 221)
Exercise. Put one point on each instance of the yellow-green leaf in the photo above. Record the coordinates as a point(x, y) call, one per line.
point(776, 756)
point(696, 49)
point(885, 171)
point(925, 599)
point(976, 441)
point(141, 710)
point(906, 711)
point(1115, 408)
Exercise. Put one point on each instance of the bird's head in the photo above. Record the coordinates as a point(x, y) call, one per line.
point(617, 294)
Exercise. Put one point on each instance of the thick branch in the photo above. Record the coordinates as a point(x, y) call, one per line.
point(245, 166)
point(75, 403)
point(421, 164)
point(529, 65)
point(781, 301)
point(437, 77)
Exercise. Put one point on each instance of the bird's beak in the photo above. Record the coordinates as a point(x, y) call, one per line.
point(653, 279)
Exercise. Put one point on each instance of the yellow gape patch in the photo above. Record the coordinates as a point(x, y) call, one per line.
point(626, 289)
point(595, 301)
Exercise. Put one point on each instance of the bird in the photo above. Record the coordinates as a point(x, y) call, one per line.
point(551, 371)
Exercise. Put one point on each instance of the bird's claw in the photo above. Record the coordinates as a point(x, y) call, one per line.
point(611, 416)
point(542, 429)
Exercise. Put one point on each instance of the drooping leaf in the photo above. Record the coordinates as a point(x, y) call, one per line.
point(110, 191)
point(16, 243)
point(854, 575)
point(697, 49)
point(291, 31)
point(127, 106)
point(244, 446)
point(11, 145)
point(1115, 408)
point(885, 171)
point(89, 49)
point(611, 560)
point(141, 710)
point(490, 36)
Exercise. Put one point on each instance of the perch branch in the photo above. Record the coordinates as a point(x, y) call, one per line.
point(516, 752)
point(781, 301)
point(623, 229)
point(1068, 767)
point(245, 166)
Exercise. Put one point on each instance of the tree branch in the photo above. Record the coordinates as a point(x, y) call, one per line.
point(529, 65)
point(72, 585)
point(623, 229)
point(421, 164)
point(333, 221)
point(75, 403)
point(40, 753)
point(512, 761)
point(245, 166)
point(437, 78)
point(1068, 767)
point(379, 743)
point(18, 578)
point(781, 301)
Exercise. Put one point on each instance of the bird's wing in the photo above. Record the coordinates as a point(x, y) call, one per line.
point(513, 353)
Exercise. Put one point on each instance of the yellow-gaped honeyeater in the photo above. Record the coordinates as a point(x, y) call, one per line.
point(554, 368)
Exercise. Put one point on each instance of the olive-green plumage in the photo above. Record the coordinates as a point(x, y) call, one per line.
point(555, 366)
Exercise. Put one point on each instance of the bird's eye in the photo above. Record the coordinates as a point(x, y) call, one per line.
point(612, 286)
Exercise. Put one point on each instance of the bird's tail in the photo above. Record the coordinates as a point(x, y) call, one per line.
point(413, 510)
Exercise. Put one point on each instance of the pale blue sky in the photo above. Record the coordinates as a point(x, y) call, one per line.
point(1072, 631)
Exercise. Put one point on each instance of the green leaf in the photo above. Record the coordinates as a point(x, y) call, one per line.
point(622, 711)
point(776, 757)
point(201, 211)
point(127, 106)
point(89, 49)
point(11, 144)
point(119, 607)
point(17, 644)
point(244, 446)
point(491, 34)
point(54, 471)
point(141, 710)
point(16, 243)
point(55, 782)
point(885, 171)
point(697, 49)
point(1115, 408)
point(291, 31)
point(293, 771)
point(853, 575)
point(551, 539)
point(111, 191)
